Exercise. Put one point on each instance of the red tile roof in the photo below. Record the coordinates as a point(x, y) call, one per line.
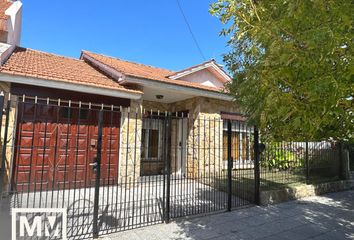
point(31, 63)
point(4, 5)
point(143, 71)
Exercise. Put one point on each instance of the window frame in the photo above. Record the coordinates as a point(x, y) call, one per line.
point(243, 132)
point(150, 124)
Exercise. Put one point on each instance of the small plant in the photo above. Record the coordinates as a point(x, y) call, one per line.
point(281, 157)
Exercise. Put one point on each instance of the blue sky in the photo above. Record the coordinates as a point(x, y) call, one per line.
point(151, 32)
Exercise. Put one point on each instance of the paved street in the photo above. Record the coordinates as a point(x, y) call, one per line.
point(327, 217)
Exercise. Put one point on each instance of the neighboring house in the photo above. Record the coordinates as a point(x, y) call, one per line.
point(196, 92)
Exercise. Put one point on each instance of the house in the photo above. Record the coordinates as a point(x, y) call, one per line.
point(135, 134)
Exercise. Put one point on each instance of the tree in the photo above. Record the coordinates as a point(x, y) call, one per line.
point(292, 65)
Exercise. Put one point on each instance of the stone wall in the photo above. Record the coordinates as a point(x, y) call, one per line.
point(205, 135)
point(156, 106)
point(5, 87)
point(204, 146)
point(300, 191)
point(130, 142)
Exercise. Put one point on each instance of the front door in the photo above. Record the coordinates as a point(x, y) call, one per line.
point(182, 131)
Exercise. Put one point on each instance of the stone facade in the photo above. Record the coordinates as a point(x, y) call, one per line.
point(130, 142)
point(203, 149)
point(303, 190)
point(5, 87)
point(205, 138)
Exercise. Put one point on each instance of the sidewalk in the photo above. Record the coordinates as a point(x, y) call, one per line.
point(329, 217)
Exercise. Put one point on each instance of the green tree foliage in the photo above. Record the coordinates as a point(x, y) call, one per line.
point(281, 157)
point(292, 65)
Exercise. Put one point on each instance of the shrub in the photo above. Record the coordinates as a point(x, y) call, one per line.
point(282, 157)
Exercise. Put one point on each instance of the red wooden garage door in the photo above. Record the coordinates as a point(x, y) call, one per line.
point(55, 146)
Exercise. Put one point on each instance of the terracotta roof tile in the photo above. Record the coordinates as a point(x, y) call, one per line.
point(143, 71)
point(32, 63)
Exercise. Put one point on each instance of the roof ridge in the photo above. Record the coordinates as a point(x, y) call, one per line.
point(196, 65)
point(49, 54)
point(128, 61)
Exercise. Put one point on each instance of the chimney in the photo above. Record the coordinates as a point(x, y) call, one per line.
point(11, 28)
point(14, 23)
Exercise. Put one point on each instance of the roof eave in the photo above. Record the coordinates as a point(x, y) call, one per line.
point(224, 76)
point(41, 82)
point(186, 89)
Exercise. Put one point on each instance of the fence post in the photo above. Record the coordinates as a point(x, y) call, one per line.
point(307, 165)
point(168, 168)
point(98, 175)
point(229, 165)
point(341, 167)
point(4, 146)
point(257, 178)
point(2, 103)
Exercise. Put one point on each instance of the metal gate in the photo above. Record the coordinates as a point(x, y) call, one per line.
point(115, 169)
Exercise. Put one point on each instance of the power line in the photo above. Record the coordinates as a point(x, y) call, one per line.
point(190, 30)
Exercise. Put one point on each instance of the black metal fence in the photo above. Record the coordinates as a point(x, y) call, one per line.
point(284, 163)
point(350, 149)
point(117, 168)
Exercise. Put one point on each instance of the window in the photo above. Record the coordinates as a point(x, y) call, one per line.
point(150, 142)
point(241, 142)
point(152, 138)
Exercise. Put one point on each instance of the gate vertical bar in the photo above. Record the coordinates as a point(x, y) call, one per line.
point(168, 167)
point(256, 167)
point(229, 165)
point(307, 163)
point(3, 154)
point(98, 174)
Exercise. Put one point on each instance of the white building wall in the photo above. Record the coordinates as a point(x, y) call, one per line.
point(14, 23)
point(203, 77)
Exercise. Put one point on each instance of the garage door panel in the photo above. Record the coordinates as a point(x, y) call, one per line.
point(113, 144)
point(83, 128)
point(61, 175)
point(81, 160)
point(64, 142)
point(56, 151)
point(27, 127)
point(24, 158)
point(41, 175)
point(26, 141)
point(63, 126)
point(81, 143)
point(23, 176)
point(42, 158)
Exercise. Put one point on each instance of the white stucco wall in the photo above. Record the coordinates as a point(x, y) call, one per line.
point(203, 77)
point(14, 23)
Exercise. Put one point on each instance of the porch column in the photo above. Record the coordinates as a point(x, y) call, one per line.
point(205, 145)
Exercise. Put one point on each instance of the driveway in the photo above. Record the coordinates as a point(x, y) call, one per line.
point(329, 217)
